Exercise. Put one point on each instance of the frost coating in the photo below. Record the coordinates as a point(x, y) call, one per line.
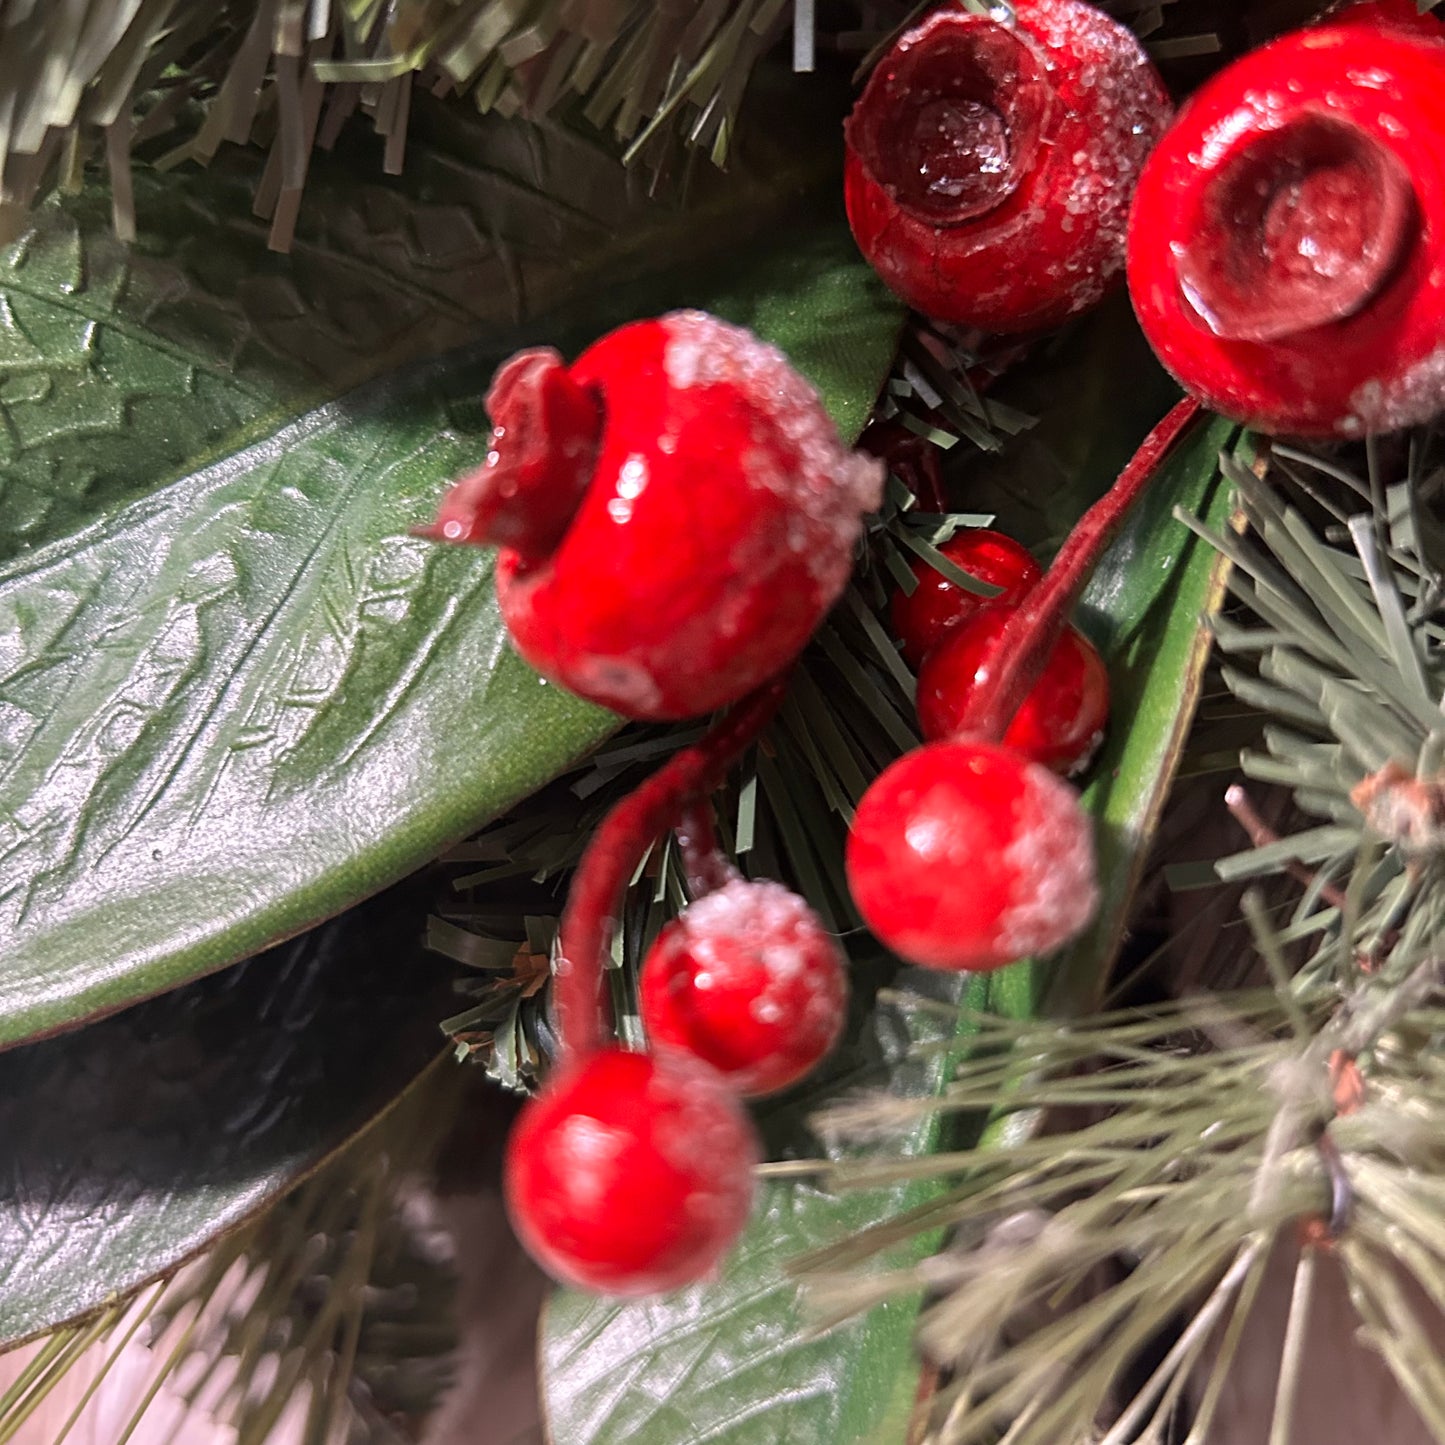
point(718, 525)
point(1387, 404)
point(1052, 857)
point(831, 486)
point(760, 915)
point(1052, 242)
point(748, 979)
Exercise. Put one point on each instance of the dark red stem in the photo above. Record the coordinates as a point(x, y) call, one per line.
point(618, 846)
point(1023, 646)
point(702, 860)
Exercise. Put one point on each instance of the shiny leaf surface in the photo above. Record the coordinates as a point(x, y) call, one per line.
point(127, 1147)
point(729, 1363)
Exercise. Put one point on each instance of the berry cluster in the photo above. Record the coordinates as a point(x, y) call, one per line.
point(676, 513)
point(631, 1172)
point(969, 853)
point(948, 634)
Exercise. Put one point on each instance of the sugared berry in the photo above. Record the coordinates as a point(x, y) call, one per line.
point(921, 617)
point(1060, 723)
point(631, 1174)
point(965, 855)
point(1285, 249)
point(749, 980)
point(714, 526)
point(990, 165)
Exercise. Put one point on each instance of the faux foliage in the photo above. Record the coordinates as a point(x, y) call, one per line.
point(1141, 1168)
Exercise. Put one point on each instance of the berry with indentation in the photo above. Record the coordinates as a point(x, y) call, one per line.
point(676, 510)
point(1285, 254)
point(990, 164)
point(749, 980)
point(631, 1174)
point(1059, 724)
point(966, 855)
point(921, 617)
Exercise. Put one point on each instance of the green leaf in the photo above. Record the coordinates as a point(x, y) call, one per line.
point(235, 695)
point(128, 1147)
point(1144, 606)
point(729, 1362)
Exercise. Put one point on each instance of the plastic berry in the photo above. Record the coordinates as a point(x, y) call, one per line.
point(1285, 249)
point(921, 617)
point(630, 1174)
point(990, 163)
point(675, 509)
point(748, 980)
point(965, 855)
point(1059, 724)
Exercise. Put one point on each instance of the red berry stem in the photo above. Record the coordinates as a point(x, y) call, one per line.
point(703, 862)
point(1022, 648)
point(618, 846)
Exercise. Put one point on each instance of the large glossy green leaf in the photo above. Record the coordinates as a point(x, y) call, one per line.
point(730, 1362)
point(127, 1147)
point(123, 366)
point(236, 696)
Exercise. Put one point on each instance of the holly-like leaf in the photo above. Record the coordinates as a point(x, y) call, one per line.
point(729, 1362)
point(128, 1147)
point(235, 695)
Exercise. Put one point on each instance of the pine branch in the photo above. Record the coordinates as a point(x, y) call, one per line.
point(1144, 1165)
point(176, 79)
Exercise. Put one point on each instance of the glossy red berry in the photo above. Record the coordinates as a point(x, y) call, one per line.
point(990, 164)
point(748, 980)
point(965, 855)
point(1287, 245)
point(630, 1174)
point(921, 617)
point(677, 510)
point(1060, 723)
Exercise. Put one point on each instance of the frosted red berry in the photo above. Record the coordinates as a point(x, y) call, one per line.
point(714, 526)
point(965, 855)
point(1287, 245)
point(1059, 724)
point(748, 980)
point(630, 1174)
point(921, 617)
point(990, 165)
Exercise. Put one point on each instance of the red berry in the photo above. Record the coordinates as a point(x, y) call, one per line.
point(965, 855)
point(1061, 722)
point(630, 1174)
point(1285, 250)
point(921, 617)
point(989, 166)
point(749, 980)
point(714, 529)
